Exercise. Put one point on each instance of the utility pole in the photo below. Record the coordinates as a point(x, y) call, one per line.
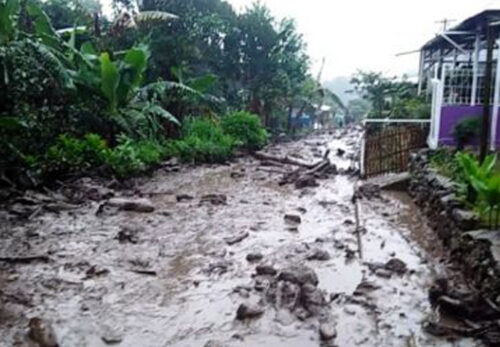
point(445, 22)
point(483, 149)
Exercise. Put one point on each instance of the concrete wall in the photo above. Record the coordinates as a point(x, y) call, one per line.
point(451, 115)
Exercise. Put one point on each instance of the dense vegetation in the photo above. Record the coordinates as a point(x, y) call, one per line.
point(81, 92)
point(389, 97)
point(477, 184)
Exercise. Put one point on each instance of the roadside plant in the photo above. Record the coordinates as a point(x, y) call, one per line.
point(483, 184)
point(465, 131)
point(246, 128)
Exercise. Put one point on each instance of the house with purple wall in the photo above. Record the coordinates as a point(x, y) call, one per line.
point(452, 74)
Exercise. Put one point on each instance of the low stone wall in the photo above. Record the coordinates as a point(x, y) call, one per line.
point(476, 251)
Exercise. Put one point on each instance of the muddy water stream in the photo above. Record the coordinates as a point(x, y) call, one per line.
point(184, 294)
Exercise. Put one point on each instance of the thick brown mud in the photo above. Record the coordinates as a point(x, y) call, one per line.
point(176, 276)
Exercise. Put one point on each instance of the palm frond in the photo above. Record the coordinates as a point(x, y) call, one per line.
point(145, 17)
point(52, 64)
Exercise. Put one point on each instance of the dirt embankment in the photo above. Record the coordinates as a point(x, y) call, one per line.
point(261, 252)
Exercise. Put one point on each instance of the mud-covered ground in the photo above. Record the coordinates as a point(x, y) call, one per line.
point(178, 275)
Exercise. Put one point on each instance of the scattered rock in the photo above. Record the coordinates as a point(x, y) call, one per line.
point(299, 274)
point(340, 152)
point(42, 332)
point(293, 218)
point(111, 334)
point(465, 220)
point(214, 343)
point(129, 233)
point(237, 238)
point(365, 287)
point(396, 265)
point(306, 181)
point(248, 311)
point(312, 298)
point(327, 331)
point(95, 271)
point(254, 257)
point(214, 199)
point(263, 270)
point(184, 197)
point(135, 205)
point(319, 254)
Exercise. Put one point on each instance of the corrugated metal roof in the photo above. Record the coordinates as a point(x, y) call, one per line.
point(476, 23)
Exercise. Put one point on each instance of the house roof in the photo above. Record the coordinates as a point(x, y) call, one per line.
point(475, 24)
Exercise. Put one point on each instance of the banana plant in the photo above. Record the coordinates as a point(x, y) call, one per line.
point(489, 191)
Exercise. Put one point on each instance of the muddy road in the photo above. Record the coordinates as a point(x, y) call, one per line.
point(228, 257)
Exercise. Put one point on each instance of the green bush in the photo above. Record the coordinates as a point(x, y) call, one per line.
point(466, 130)
point(71, 154)
point(204, 142)
point(131, 157)
point(246, 128)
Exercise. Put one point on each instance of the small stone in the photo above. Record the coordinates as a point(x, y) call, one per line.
point(319, 254)
point(214, 343)
point(237, 238)
point(254, 257)
point(327, 331)
point(263, 270)
point(299, 274)
point(184, 197)
point(396, 265)
point(214, 199)
point(383, 273)
point(293, 218)
point(112, 334)
point(135, 205)
point(247, 311)
point(306, 182)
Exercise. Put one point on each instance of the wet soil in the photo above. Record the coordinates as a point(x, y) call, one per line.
point(176, 276)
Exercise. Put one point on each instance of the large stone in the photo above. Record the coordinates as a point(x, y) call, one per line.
point(396, 265)
point(248, 311)
point(327, 331)
point(318, 254)
point(135, 205)
point(299, 274)
point(264, 270)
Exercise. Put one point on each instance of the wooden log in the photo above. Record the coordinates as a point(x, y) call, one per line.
point(284, 160)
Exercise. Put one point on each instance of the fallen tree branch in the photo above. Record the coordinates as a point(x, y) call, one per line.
point(284, 160)
point(25, 259)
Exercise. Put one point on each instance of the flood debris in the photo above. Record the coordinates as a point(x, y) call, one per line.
point(214, 199)
point(25, 259)
point(237, 238)
point(140, 205)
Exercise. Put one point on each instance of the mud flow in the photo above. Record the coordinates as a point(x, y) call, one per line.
point(223, 256)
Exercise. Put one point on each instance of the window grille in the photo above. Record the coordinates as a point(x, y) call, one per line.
point(458, 84)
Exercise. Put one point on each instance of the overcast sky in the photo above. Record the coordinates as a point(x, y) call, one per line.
point(367, 34)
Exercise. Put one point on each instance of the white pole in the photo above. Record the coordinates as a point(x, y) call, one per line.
point(421, 72)
point(496, 101)
point(475, 70)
